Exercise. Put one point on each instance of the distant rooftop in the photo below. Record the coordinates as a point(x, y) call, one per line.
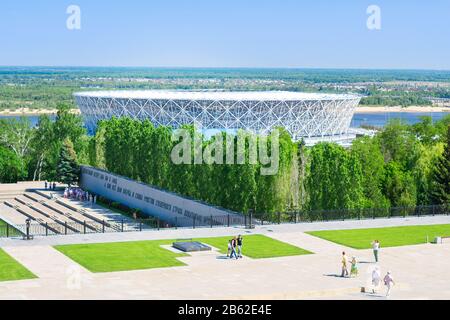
point(215, 95)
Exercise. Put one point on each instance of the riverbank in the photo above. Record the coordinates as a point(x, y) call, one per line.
point(31, 112)
point(412, 109)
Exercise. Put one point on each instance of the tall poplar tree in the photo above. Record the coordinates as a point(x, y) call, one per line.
point(441, 176)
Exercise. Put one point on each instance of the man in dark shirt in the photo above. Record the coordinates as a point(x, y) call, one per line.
point(239, 244)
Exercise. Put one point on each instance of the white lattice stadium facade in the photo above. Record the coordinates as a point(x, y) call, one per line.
point(309, 116)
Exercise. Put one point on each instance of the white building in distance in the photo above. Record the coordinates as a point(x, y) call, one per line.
point(310, 116)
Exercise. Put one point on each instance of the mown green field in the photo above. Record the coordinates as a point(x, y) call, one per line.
point(126, 256)
point(123, 256)
point(11, 270)
point(389, 237)
point(258, 247)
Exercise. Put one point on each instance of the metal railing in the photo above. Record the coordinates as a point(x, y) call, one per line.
point(352, 214)
point(249, 221)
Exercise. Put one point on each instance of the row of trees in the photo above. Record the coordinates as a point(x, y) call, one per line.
point(402, 165)
point(139, 150)
point(404, 101)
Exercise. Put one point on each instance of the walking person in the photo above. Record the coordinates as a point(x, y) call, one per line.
point(354, 268)
point(46, 185)
point(239, 245)
point(344, 265)
point(388, 282)
point(233, 248)
point(376, 249)
point(229, 249)
point(376, 279)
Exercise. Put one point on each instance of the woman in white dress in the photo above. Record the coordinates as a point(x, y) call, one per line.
point(376, 279)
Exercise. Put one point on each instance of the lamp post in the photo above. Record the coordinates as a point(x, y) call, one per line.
point(28, 224)
point(250, 224)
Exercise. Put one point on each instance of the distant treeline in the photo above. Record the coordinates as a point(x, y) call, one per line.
point(45, 88)
point(404, 101)
point(307, 75)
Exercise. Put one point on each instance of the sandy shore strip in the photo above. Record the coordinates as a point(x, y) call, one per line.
point(32, 112)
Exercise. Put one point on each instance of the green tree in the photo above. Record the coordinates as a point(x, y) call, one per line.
point(425, 131)
point(440, 193)
point(442, 127)
point(399, 144)
point(67, 171)
point(335, 178)
point(423, 171)
point(16, 134)
point(399, 186)
point(368, 152)
point(45, 152)
point(11, 167)
point(48, 140)
point(69, 125)
point(97, 147)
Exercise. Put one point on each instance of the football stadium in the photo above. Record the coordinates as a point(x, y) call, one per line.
point(310, 116)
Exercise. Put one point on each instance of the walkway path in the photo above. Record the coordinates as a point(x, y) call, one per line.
point(223, 231)
point(421, 272)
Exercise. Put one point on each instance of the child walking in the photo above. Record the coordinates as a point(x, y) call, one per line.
point(354, 268)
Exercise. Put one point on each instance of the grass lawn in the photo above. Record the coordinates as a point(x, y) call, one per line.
point(123, 256)
point(11, 270)
point(258, 247)
point(389, 237)
point(126, 256)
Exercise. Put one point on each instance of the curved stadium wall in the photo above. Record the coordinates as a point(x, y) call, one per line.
point(303, 115)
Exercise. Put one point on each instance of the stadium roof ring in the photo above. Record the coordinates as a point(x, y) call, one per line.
point(318, 117)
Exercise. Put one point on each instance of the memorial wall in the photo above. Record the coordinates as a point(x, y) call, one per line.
point(166, 206)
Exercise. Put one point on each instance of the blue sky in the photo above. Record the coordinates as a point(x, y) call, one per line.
point(227, 33)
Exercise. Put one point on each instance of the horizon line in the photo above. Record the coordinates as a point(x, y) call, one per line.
point(229, 68)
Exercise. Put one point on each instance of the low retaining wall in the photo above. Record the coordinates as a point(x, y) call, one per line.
point(167, 206)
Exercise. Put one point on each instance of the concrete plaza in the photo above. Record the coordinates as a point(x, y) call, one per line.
point(420, 272)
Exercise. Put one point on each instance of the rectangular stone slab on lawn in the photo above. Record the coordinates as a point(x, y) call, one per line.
point(257, 247)
point(11, 270)
point(388, 237)
point(122, 256)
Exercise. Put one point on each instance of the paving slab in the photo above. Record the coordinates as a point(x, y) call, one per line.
point(420, 271)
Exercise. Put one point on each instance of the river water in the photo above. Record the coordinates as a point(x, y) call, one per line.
point(359, 119)
point(381, 119)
